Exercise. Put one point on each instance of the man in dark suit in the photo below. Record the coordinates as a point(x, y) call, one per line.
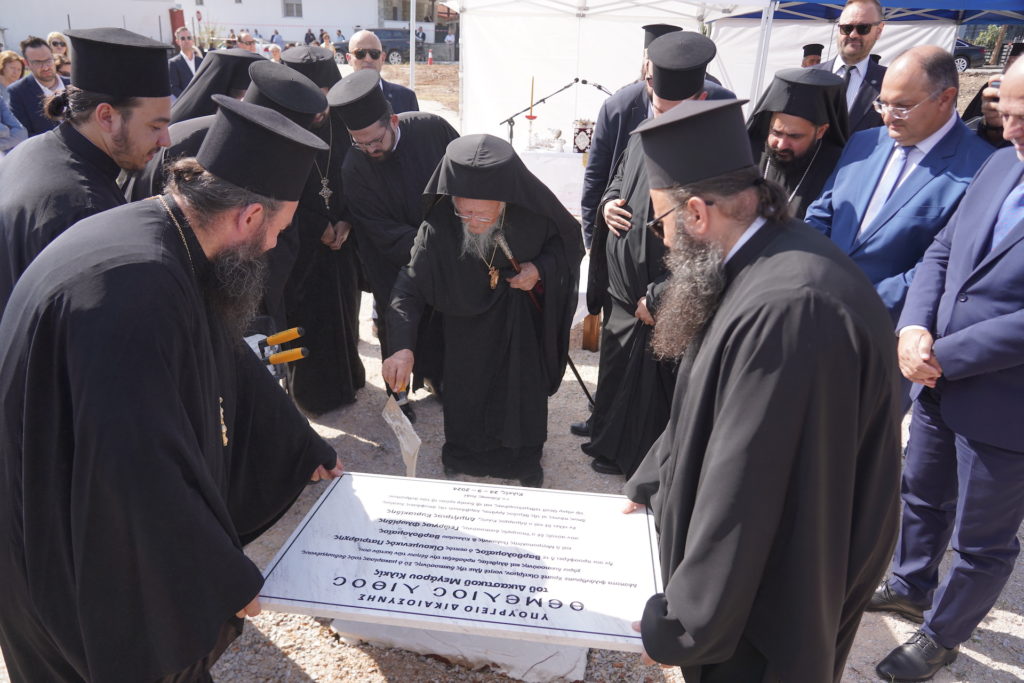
point(182, 66)
point(365, 52)
point(860, 25)
point(962, 343)
point(895, 187)
point(619, 115)
point(27, 94)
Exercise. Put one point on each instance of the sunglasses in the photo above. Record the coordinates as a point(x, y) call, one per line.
point(58, 43)
point(861, 29)
point(360, 54)
point(184, 37)
point(247, 42)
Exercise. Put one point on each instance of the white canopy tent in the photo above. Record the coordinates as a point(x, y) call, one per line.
point(737, 41)
point(507, 43)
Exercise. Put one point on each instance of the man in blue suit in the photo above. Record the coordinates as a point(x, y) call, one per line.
point(962, 343)
point(182, 66)
point(895, 187)
point(43, 80)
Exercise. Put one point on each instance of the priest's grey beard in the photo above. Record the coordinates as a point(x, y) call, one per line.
point(482, 245)
point(239, 277)
point(693, 291)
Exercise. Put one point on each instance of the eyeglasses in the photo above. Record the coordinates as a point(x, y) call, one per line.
point(861, 29)
point(360, 54)
point(41, 62)
point(473, 219)
point(58, 43)
point(371, 143)
point(657, 225)
point(900, 113)
point(247, 42)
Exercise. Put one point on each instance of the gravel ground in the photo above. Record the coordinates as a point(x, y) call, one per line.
point(280, 647)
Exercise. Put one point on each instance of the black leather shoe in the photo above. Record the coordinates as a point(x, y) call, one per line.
point(534, 481)
point(918, 659)
point(604, 466)
point(886, 599)
point(588, 448)
point(580, 428)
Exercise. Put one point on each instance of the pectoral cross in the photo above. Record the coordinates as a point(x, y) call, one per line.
point(325, 192)
point(493, 272)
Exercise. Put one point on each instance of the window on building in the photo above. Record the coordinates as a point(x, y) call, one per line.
point(293, 8)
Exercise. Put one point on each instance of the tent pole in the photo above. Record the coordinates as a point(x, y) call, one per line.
point(761, 61)
point(412, 44)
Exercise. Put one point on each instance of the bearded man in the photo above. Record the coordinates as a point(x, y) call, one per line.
point(141, 444)
point(774, 485)
point(113, 120)
point(506, 340)
point(798, 129)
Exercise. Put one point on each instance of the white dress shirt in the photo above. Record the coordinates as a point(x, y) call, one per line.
point(860, 72)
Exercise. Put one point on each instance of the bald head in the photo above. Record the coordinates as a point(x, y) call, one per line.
point(932, 63)
point(1011, 106)
point(918, 92)
point(361, 49)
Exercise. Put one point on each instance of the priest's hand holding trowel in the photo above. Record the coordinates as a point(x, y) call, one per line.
point(397, 370)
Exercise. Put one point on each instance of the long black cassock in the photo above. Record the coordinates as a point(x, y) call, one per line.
point(321, 293)
point(386, 201)
point(634, 389)
point(502, 357)
point(774, 486)
point(47, 184)
point(122, 511)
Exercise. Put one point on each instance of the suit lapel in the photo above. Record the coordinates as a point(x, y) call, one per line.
point(981, 253)
point(930, 167)
point(869, 179)
point(869, 89)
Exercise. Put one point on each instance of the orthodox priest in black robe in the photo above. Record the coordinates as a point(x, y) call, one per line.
point(56, 179)
point(774, 486)
point(506, 335)
point(634, 389)
point(798, 129)
point(223, 72)
point(141, 444)
point(384, 185)
point(279, 88)
point(322, 291)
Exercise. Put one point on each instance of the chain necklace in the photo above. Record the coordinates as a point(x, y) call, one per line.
point(792, 194)
point(188, 252)
point(492, 272)
point(325, 191)
point(181, 233)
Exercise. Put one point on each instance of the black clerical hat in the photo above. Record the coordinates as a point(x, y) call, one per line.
point(315, 63)
point(813, 49)
point(679, 61)
point(244, 136)
point(652, 31)
point(359, 99)
point(816, 95)
point(1016, 50)
point(285, 90)
point(695, 140)
point(116, 62)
